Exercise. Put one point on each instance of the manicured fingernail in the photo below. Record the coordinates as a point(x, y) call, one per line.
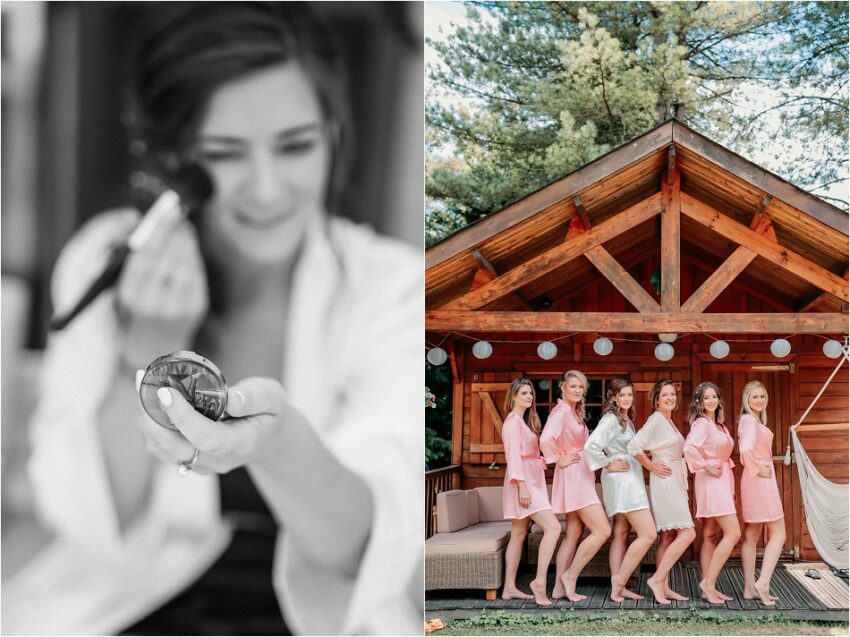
point(164, 397)
point(241, 397)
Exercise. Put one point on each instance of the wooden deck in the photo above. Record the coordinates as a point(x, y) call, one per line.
point(800, 597)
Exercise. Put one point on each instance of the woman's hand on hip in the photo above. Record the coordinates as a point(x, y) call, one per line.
point(660, 469)
point(162, 295)
point(713, 470)
point(618, 465)
point(255, 407)
point(568, 458)
point(765, 471)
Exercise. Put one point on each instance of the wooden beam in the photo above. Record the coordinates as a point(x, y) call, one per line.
point(576, 228)
point(609, 164)
point(719, 280)
point(840, 426)
point(820, 297)
point(486, 273)
point(763, 224)
point(636, 323)
point(671, 164)
point(671, 244)
point(492, 411)
point(740, 168)
point(621, 279)
point(478, 447)
point(774, 252)
point(558, 256)
point(585, 220)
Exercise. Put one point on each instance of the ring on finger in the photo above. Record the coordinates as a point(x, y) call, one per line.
point(185, 466)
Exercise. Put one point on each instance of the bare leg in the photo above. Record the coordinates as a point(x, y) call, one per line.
point(551, 532)
point(644, 526)
point(617, 546)
point(775, 542)
point(658, 583)
point(711, 537)
point(575, 528)
point(752, 533)
point(513, 552)
point(595, 519)
point(731, 534)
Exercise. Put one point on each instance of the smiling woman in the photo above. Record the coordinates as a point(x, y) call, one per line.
point(264, 280)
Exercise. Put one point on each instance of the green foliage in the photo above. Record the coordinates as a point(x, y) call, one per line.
point(530, 91)
point(438, 420)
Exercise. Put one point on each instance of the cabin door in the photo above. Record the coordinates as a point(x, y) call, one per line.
point(487, 414)
point(776, 378)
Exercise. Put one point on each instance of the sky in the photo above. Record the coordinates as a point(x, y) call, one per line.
point(441, 16)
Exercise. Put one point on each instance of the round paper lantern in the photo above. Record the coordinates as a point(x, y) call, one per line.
point(543, 384)
point(664, 351)
point(603, 346)
point(719, 349)
point(437, 356)
point(780, 348)
point(547, 350)
point(832, 348)
point(482, 349)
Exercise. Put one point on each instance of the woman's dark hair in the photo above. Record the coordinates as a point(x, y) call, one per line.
point(611, 407)
point(208, 44)
point(696, 411)
point(655, 392)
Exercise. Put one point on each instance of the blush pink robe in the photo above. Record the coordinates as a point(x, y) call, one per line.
point(574, 486)
point(524, 463)
point(708, 443)
point(760, 499)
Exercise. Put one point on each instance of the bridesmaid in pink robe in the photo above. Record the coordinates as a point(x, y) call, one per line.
point(707, 451)
point(524, 495)
point(761, 504)
point(573, 487)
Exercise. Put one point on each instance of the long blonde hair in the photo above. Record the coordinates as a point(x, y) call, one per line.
point(579, 408)
point(530, 416)
point(695, 410)
point(749, 388)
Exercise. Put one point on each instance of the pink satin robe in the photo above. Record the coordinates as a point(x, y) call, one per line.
point(709, 443)
point(524, 463)
point(574, 486)
point(760, 499)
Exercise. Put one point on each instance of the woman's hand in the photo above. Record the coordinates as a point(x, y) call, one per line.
point(567, 459)
point(713, 470)
point(162, 295)
point(765, 471)
point(524, 495)
point(255, 406)
point(660, 469)
point(618, 465)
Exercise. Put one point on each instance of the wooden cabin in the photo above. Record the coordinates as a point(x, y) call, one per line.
point(670, 236)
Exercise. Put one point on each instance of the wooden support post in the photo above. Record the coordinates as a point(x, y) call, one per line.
point(621, 279)
point(719, 280)
point(820, 297)
point(670, 243)
point(486, 273)
point(582, 212)
point(671, 165)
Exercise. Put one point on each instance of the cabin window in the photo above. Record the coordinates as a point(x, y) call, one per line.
point(548, 392)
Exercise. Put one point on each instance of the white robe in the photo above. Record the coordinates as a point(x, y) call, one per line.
point(353, 368)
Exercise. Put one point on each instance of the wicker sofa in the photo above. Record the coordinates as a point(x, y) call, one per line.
point(468, 549)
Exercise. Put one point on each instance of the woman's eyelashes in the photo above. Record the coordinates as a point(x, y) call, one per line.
point(292, 148)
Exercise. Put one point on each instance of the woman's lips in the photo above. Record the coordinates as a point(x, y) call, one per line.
point(261, 222)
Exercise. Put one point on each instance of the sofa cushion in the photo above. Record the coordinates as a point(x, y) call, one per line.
point(451, 511)
point(473, 515)
point(490, 504)
point(481, 538)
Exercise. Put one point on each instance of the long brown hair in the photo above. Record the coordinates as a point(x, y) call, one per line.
point(530, 416)
point(611, 406)
point(695, 410)
point(655, 392)
point(579, 408)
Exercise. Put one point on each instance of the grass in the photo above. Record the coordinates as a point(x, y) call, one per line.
point(696, 622)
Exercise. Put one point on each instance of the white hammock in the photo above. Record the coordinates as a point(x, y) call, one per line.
point(825, 503)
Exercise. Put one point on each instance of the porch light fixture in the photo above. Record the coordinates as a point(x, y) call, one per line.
point(603, 346)
point(664, 352)
point(547, 350)
point(780, 348)
point(719, 349)
point(832, 348)
point(482, 350)
point(437, 356)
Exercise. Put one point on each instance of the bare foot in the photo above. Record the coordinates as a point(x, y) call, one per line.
point(631, 594)
point(657, 591)
point(764, 594)
point(671, 594)
point(711, 595)
point(539, 591)
point(515, 593)
point(558, 592)
point(570, 589)
point(617, 588)
point(750, 593)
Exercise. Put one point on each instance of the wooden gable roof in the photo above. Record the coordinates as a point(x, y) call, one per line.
point(672, 192)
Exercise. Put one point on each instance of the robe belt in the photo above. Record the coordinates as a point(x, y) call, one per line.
point(721, 462)
point(538, 457)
